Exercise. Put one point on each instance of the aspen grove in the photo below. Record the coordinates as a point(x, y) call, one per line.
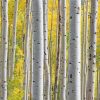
point(49, 49)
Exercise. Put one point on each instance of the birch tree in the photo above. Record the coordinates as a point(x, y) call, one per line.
point(74, 88)
point(58, 53)
point(46, 65)
point(92, 51)
point(1, 51)
point(63, 50)
point(98, 86)
point(14, 38)
point(85, 51)
point(0, 68)
point(27, 49)
point(83, 48)
point(4, 46)
point(38, 49)
point(31, 68)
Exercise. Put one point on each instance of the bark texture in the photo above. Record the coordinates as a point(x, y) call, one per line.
point(4, 46)
point(27, 51)
point(74, 79)
point(38, 49)
point(92, 51)
point(58, 54)
point(46, 65)
point(63, 50)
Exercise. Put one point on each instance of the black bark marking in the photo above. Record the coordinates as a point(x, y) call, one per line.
point(70, 81)
point(70, 63)
point(70, 17)
point(73, 39)
point(89, 90)
point(70, 75)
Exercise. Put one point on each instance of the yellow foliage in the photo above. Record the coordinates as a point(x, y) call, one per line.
point(15, 87)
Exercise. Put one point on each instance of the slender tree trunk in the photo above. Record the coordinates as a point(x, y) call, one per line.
point(97, 79)
point(31, 68)
point(38, 49)
point(14, 38)
point(1, 58)
point(58, 54)
point(9, 54)
point(31, 59)
point(46, 65)
point(27, 49)
point(63, 50)
point(83, 49)
point(28, 73)
point(86, 51)
point(0, 70)
point(98, 85)
point(4, 46)
point(74, 79)
point(0, 65)
point(92, 51)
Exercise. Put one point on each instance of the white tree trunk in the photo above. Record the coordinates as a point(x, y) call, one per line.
point(74, 79)
point(4, 46)
point(31, 59)
point(9, 53)
point(46, 65)
point(86, 52)
point(83, 49)
point(31, 68)
point(38, 49)
point(92, 51)
point(1, 51)
point(63, 50)
point(98, 86)
point(27, 50)
point(0, 68)
point(14, 39)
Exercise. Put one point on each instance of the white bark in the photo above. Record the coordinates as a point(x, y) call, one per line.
point(31, 68)
point(31, 59)
point(1, 59)
point(9, 53)
point(98, 86)
point(38, 49)
point(74, 79)
point(0, 69)
point(63, 50)
point(86, 52)
point(46, 65)
point(14, 39)
point(27, 50)
point(4, 46)
point(92, 51)
point(83, 50)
